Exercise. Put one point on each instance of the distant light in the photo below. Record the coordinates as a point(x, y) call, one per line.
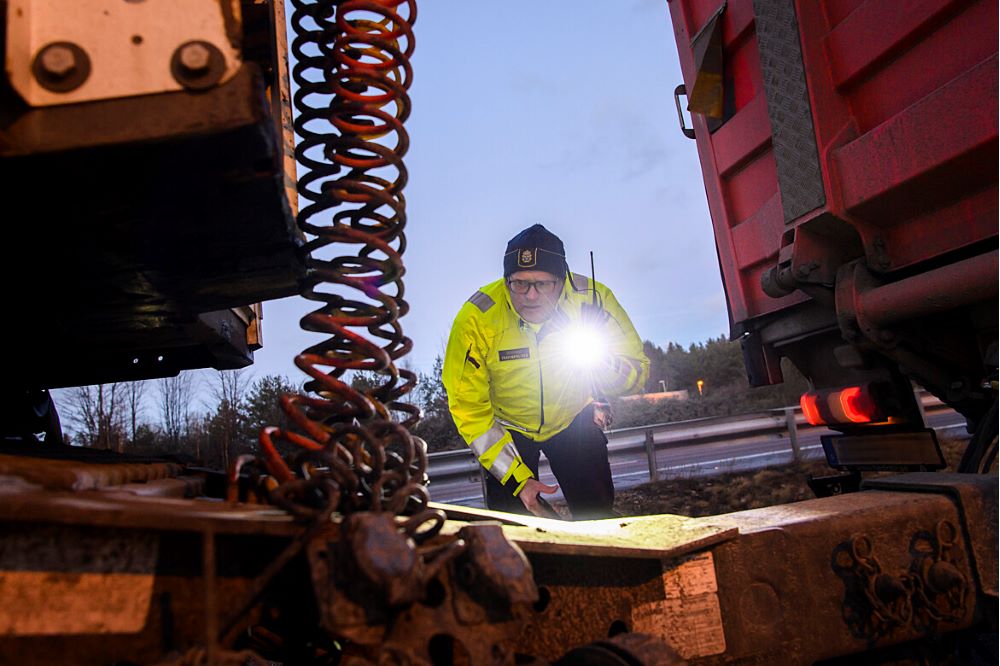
point(134, 361)
point(159, 358)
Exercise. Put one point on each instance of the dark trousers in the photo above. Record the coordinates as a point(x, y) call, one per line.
point(578, 457)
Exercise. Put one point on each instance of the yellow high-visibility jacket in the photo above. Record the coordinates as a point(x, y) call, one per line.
point(500, 374)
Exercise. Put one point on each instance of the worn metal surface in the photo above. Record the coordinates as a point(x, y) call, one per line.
point(790, 577)
point(638, 536)
point(793, 137)
point(976, 497)
point(128, 46)
point(932, 292)
point(468, 597)
point(30, 504)
point(77, 475)
point(798, 584)
point(632, 536)
point(859, 571)
point(190, 564)
point(586, 598)
point(935, 324)
point(624, 650)
point(56, 581)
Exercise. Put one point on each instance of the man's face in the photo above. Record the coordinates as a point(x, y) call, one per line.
point(538, 302)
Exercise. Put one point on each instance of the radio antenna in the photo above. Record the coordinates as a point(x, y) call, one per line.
point(593, 279)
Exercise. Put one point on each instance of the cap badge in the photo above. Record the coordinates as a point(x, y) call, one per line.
point(526, 259)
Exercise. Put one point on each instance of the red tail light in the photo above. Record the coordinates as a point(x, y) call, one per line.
point(853, 404)
point(857, 405)
point(810, 408)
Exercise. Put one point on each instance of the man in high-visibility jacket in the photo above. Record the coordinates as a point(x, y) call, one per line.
point(518, 384)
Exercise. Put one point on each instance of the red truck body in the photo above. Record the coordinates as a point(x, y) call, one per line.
point(849, 152)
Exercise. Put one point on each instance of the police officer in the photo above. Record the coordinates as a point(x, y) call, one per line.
point(517, 387)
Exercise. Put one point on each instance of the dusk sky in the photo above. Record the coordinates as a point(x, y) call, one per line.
point(560, 113)
point(557, 112)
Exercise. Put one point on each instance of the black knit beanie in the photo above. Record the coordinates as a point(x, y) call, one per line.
point(535, 249)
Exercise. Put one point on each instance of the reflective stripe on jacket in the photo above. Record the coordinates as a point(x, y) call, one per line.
point(500, 374)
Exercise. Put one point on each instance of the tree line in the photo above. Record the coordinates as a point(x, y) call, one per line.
point(162, 416)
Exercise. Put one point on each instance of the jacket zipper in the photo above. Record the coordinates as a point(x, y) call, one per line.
point(541, 387)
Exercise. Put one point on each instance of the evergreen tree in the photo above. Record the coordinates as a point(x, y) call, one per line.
point(263, 403)
point(436, 426)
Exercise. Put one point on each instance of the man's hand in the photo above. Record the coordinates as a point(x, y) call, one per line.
point(602, 415)
point(529, 496)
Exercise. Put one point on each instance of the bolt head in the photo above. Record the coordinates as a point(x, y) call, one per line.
point(58, 61)
point(195, 58)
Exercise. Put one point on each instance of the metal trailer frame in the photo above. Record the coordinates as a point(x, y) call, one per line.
point(849, 154)
point(906, 568)
point(162, 210)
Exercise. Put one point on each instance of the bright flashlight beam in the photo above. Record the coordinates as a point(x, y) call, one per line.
point(584, 346)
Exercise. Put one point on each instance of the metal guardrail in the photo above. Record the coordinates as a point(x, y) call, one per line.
point(446, 465)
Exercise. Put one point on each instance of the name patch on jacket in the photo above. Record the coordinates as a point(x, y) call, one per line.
point(514, 354)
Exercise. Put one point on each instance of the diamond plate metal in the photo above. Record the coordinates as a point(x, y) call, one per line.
point(793, 136)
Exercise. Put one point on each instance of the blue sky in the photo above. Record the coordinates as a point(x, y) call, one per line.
point(556, 112)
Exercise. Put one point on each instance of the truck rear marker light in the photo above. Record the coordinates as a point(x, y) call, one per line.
point(857, 405)
point(810, 408)
point(853, 404)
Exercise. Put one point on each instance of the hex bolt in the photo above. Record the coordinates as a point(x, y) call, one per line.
point(58, 61)
point(195, 58)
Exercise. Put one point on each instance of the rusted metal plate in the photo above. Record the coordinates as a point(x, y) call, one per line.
point(854, 570)
point(79, 475)
point(183, 486)
point(645, 536)
point(468, 595)
point(977, 500)
point(281, 98)
point(118, 510)
point(800, 583)
point(127, 48)
point(586, 599)
point(57, 581)
point(638, 536)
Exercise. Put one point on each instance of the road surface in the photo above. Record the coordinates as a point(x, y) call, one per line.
point(705, 459)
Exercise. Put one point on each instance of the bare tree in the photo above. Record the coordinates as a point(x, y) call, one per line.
point(134, 393)
point(97, 412)
point(229, 420)
point(175, 406)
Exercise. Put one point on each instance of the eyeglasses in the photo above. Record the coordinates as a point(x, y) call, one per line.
point(543, 287)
